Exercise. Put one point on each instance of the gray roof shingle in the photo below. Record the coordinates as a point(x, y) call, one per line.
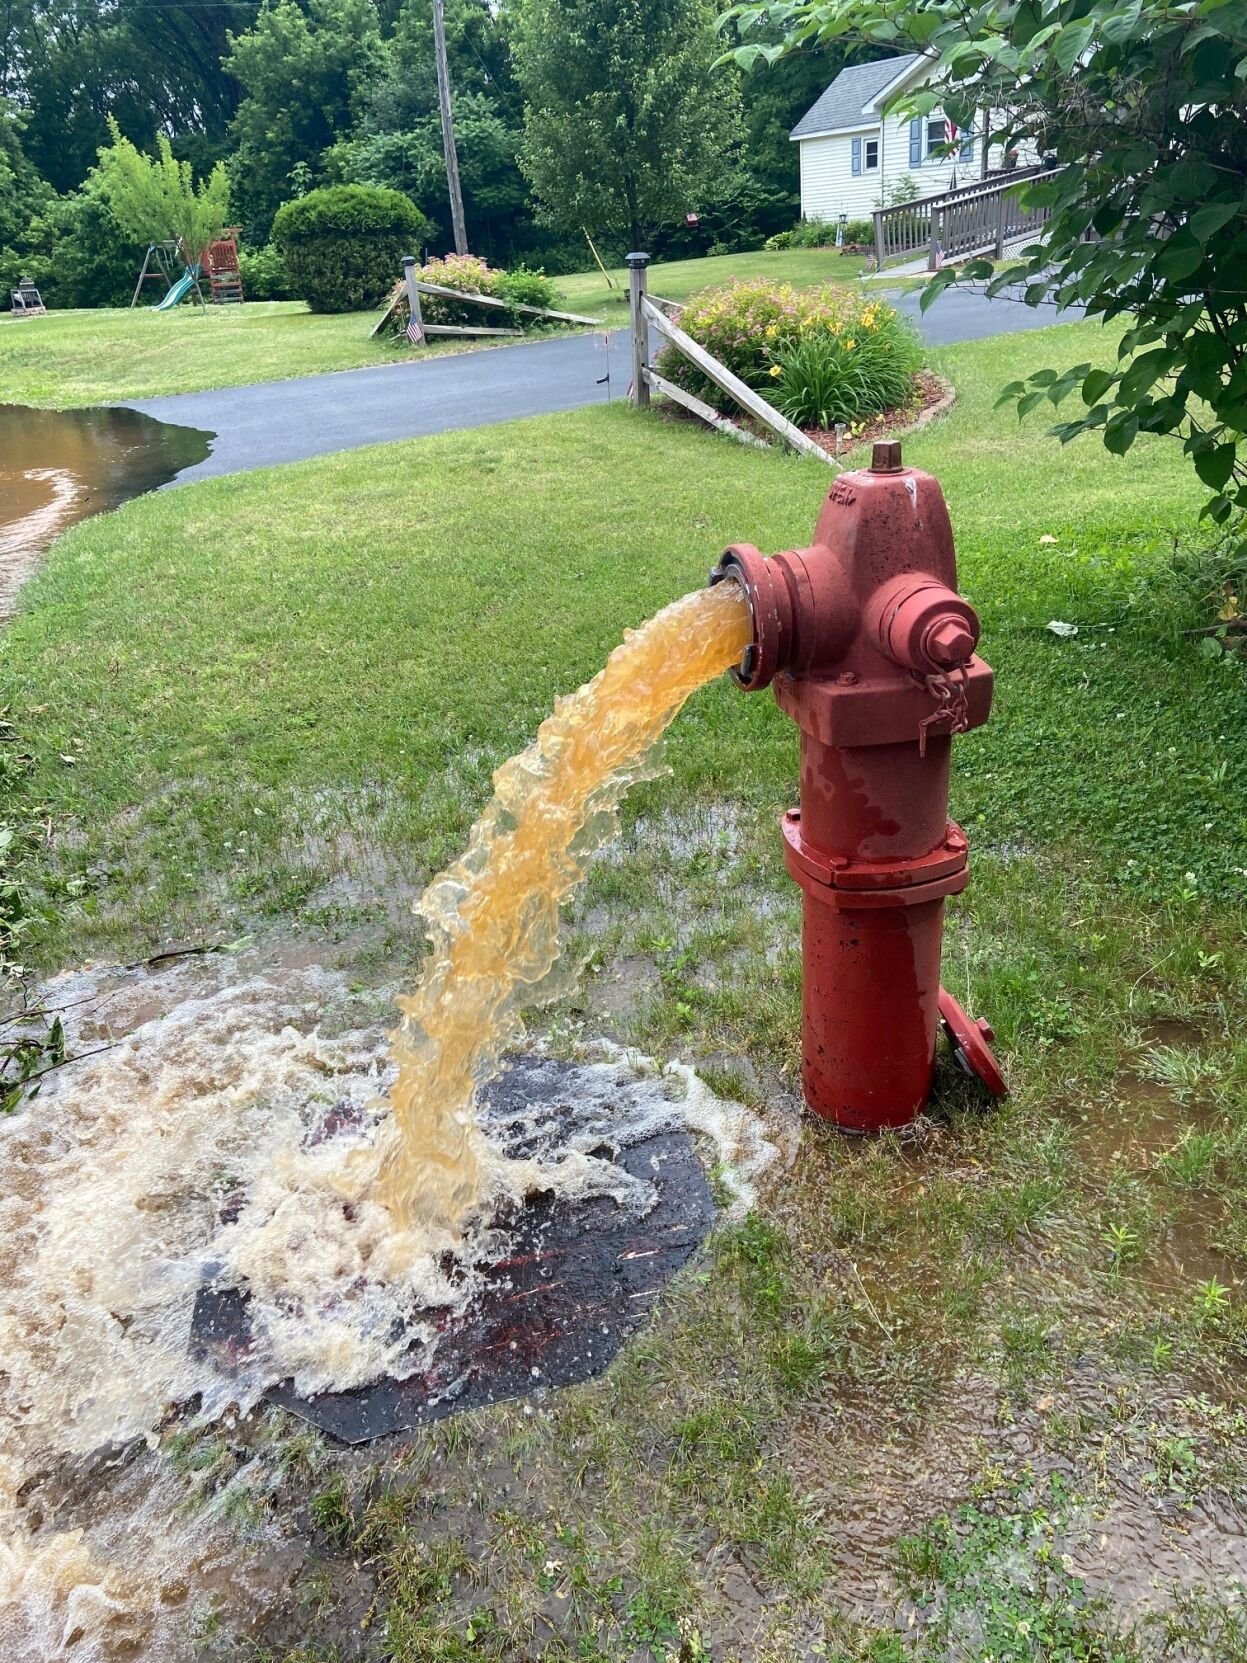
point(841, 105)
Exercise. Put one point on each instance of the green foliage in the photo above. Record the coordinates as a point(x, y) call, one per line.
point(264, 274)
point(625, 127)
point(1144, 108)
point(22, 192)
point(343, 245)
point(156, 68)
point(993, 1583)
point(304, 70)
point(527, 288)
point(76, 253)
point(158, 200)
point(847, 374)
point(826, 350)
point(469, 274)
point(821, 233)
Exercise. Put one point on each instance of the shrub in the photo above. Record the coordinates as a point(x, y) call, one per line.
point(343, 246)
point(821, 233)
point(846, 374)
point(527, 288)
point(264, 274)
point(472, 275)
point(753, 327)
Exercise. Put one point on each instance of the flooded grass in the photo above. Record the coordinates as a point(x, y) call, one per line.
point(873, 1421)
point(60, 466)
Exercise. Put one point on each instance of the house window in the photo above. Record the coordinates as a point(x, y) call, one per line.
point(872, 153)
point(937, 134)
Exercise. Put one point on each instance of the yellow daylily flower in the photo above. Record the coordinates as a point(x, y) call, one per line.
point(775, 370)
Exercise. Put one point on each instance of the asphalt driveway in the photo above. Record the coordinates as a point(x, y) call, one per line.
point(285, 421)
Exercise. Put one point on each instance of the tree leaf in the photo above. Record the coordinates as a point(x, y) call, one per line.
point(1215, 466)
point(1179, 256)
point(1208, 221)
point(1096, 385)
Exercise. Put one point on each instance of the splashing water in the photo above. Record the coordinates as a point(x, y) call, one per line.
point(493, 916)
point(229, 1141)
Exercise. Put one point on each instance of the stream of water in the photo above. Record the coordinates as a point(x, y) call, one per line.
point(245, 1129)
point(493, 916)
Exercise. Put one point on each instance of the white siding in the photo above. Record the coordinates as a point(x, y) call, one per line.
point(829, 186)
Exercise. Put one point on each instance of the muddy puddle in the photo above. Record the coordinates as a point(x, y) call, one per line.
point(188, 1066)
point(60, 466)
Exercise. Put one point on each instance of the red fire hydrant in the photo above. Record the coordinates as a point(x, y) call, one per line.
point(871, 652)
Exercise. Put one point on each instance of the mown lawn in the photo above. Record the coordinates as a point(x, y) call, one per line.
point(589, 292)
point(962, 1396)
point(96, 357)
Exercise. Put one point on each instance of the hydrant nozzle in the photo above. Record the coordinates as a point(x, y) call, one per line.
point(871, 650)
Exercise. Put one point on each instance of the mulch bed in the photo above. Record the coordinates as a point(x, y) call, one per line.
point(933, 396)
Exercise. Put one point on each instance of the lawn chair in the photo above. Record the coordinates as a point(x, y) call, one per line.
point(27, 301)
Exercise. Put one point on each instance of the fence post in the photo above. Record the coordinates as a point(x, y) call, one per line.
point(636, 264)
point(937, 226)
point(878, 219)
point(413, 296)
point(1000, 225)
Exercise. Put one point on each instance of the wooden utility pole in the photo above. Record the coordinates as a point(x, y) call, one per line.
point(448, 129)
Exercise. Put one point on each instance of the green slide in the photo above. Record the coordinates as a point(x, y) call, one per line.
point(179, 291)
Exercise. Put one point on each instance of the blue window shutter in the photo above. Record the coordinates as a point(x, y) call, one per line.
point(857, 155)
point(915, 142)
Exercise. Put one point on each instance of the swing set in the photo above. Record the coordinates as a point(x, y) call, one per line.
point(218, 264)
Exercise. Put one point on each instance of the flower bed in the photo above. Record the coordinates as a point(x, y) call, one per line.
point(821, 356)
point(471, 275)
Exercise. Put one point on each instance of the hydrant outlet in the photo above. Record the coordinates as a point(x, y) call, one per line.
point(923, 625)
point(801, 607)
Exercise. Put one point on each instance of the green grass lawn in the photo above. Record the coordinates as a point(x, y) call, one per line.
point(273, 702)
point(589, 292)
point(75, 358)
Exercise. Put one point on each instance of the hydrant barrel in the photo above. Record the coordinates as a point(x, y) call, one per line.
point(870, 649)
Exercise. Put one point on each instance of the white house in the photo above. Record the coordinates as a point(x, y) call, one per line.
point(853, 157)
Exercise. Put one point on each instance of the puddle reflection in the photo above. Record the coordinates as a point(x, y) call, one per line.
point(59, 466)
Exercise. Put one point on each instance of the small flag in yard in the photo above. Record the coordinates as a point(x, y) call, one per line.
point(415, 334)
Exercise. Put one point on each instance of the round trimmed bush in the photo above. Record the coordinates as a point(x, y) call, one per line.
point(343, 246)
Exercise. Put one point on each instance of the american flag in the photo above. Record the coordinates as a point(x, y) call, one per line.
point(414, 332)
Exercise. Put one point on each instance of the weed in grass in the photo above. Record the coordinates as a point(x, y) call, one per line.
point(331, 1513)
point(993, 1584)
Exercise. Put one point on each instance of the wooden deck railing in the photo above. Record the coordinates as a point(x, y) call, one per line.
point(973, 219)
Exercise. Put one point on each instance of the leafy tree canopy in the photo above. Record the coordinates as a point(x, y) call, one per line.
point(157, 68)
point(1143, 104)
point(23, 193)
point(157, 199)
point(304, 70)
point(625, 125)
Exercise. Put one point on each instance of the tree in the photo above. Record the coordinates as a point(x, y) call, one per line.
point(158, 200)
point(156, 68)
point(1143, 104)
point(22, 192)
point(398, 142)
point(304, 72)
point(625, 126)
